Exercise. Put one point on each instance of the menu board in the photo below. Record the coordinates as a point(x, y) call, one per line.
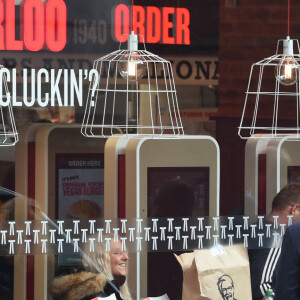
point(80, 185)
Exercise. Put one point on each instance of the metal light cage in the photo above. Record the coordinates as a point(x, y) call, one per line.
point(8, 130)
point(136, 106)
point(265, 90)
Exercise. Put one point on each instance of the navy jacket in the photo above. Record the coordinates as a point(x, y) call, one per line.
point(287, 284)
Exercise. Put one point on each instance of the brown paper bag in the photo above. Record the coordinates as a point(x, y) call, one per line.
point(219, 273)
point(190, 286)
point(224, 273)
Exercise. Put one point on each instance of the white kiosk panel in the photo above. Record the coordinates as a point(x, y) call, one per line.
point(114, 148)
point(254, 148)
point(146, 159)
point(283, 165)
point(53, 140)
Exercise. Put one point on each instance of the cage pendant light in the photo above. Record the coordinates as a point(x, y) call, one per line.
point(273, 93)
point(133, 90)
point(8, 130)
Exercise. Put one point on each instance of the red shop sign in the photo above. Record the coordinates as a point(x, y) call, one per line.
point(40, 24)
point(154, 23)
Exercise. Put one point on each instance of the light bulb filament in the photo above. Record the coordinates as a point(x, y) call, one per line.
point(131, 68)
point(288, 71)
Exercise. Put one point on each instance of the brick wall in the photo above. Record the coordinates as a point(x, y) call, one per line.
point(249, 33)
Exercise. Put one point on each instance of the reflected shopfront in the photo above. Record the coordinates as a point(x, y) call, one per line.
point(129, 183)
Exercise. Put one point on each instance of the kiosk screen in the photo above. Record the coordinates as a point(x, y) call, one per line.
point(293, 173)
point(178, 191)
point(173, 192)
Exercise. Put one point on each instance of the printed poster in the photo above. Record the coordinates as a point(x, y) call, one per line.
point(80, 186)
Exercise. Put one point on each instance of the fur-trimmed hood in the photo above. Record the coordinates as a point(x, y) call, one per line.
point(78, 286)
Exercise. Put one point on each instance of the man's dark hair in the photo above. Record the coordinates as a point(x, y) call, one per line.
point(289, 195)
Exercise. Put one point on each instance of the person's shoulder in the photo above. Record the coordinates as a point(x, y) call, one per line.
point(294, 228)
point(295, 225)
point(292, 235)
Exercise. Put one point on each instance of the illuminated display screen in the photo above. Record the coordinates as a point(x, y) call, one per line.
point(97, 26)
point(38, 24)
point(80, 192)
point(80, 183)
point(94, 26)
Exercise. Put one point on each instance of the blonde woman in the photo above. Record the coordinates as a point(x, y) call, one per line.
point(92, 281)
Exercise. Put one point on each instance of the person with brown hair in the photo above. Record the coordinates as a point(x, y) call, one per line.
point(102, 274)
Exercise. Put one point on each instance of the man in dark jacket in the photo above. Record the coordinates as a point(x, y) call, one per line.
point(287, 284)
point(263, 262)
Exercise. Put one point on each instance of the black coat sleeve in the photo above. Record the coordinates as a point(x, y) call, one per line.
point(288, 274)
point(262, 265)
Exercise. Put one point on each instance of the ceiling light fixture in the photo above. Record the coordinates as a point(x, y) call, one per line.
point(133, 90)
point(267, 91)
point(131, 65)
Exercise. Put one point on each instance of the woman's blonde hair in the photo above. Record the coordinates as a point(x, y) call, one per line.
point(99, 261)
